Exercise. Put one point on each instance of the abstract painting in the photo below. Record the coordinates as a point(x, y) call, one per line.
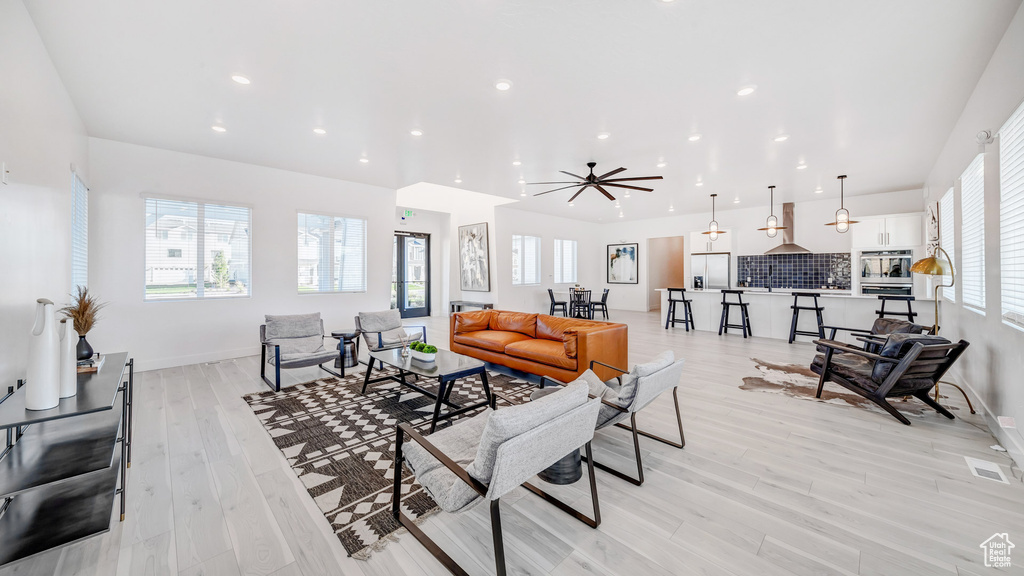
point(474, 266)
point(622, 264)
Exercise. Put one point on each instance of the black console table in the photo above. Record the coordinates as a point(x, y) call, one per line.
point(61, 468)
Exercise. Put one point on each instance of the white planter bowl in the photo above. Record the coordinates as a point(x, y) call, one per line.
point(422, 356)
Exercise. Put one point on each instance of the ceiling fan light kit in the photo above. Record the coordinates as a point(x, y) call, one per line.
point(842, 221)
point(713, 230)
point(771, 224)
point(598, 182)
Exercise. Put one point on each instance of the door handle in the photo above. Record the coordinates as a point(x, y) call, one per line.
point(880, 241)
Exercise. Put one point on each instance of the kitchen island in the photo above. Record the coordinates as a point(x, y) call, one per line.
point(771, 315)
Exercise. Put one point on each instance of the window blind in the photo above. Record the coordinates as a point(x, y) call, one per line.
point(565, 261)
point(332, 254)
point(972, 233)
point(1011, 218)
point(947, 236)
point(197, 250)
point(525, 260)
point(79, 232)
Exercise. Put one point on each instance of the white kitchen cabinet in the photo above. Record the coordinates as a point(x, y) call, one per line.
point(702, 243)
point(884, 232)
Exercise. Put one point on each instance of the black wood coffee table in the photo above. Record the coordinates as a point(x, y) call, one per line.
point(447, 367)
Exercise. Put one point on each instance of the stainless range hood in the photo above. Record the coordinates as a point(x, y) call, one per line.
point(788, 246)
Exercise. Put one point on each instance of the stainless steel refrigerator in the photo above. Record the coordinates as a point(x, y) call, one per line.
point(710, 270)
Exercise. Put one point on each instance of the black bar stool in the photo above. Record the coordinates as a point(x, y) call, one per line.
point(745, 317)
point(820, 332)
point(909, 314)
point(679, 295)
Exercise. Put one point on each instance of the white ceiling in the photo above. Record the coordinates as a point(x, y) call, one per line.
point(869, 88)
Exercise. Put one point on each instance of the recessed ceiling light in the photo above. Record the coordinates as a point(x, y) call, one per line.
point(746, 90)
point(458, 180)
point(736, 200)
point(241, 79)
point(661, 164)
point(699, 183)
point(817, 190)
point(517, 163)
point(571, 204)
point(603, 136)
point(218, 128)
point(620, 214)
point(627, 193)
point(364, 160)
point(671, 208)
point(416, 132)
point(522, 181)
point(781, 138)
point(523, 193)
point(319, 131)
point(503, 85)
point(801, 167)
point(694, 137)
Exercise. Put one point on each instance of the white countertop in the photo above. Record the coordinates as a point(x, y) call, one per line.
point(826, 293)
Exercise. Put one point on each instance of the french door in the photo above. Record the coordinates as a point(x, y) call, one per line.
point(410, 276)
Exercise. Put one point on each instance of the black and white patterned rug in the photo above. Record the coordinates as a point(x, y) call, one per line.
point(340, 443)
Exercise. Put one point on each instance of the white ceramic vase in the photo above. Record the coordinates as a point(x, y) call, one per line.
point(42, 386)
point(68, 359)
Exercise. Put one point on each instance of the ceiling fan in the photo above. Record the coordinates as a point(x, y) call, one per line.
point(598, 182)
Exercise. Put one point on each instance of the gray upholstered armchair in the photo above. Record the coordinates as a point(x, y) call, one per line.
point(489, 455)
point(384, 330)
point(297, 342)
point(630, 393)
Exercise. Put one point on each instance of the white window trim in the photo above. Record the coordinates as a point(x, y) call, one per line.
point(975, 259)
point(366, 268)
point(1011, 201)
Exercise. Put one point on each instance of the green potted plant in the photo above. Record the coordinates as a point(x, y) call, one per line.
point(422, 351)
point(84, 313)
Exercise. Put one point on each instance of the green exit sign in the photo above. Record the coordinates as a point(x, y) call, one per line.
point(408, 214)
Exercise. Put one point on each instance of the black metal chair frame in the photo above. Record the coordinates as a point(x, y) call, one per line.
point(670, 317)
point(481, 489)
point(602, 305)
point(634, 430)
point(275, 385)
point(909, 314)
point(579, 300)
point(908, 364)
point(557, 304)
point(744, 315)
point(793, 332)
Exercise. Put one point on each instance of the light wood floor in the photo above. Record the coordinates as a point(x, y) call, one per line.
point(766, 485)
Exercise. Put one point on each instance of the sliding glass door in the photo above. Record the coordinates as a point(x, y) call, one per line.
point(410, 276)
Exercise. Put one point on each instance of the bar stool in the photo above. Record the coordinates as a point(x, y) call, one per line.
point(679, 295)
point(820, 332)
point(726, 305)
point(909, 314)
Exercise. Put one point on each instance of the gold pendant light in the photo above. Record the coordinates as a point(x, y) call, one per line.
point(713, 230)
point(771, 225)
point(842, 221)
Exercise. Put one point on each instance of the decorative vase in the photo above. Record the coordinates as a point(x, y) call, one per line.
point(42, 386)
point(84, 348)
point(68, 359)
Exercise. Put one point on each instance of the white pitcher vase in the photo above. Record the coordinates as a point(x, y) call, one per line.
point(68, 359)
point(42, 387)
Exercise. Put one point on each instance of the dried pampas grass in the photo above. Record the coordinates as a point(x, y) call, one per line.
point(84, 311)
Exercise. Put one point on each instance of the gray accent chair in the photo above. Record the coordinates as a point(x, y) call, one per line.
point(384, 330)
point(488, 455)
point(628, 394)
point(298, 342)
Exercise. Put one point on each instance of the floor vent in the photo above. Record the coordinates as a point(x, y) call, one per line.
point(212, 363)
point(987, 470)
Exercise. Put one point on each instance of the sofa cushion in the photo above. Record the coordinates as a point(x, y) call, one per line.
point(554, 327)
point(380, 321)
point(897, 345)
point(852, 367)
point(895, 326)
point(520, 322)
point(472, 321)
point(493, 340)
point(293, 326)
point(630, 379)
point(569, 342)
point(544, 351)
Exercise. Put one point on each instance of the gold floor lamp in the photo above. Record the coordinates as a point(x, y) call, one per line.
point(935, 266)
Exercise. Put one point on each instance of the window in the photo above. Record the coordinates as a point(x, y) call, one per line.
point(79, 232)
point(972, 233)
point(332, 254)
point(525, 260)
point(1011, 217)
point(182, 264)
point(947, 236)
point(565, 261)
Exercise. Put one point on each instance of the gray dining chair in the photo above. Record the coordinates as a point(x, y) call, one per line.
point(488, 455)
point(297, 341)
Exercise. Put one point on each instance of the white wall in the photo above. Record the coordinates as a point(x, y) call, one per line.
point(992, 366)
point(438, 225)
point(742, 224)
point(171, 333)
point(41, 136)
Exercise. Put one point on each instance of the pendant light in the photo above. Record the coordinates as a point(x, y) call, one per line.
point(713, 230)
point(842, 221)
point(771, 225)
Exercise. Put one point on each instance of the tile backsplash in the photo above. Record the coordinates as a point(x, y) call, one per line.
point(796, 271)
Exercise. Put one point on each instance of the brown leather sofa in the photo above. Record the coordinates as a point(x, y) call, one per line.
point(553, 346)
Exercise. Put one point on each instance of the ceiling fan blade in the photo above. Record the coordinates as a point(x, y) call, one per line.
point(626, 186)
point(580, 191)
point(531, 183)
point(612, 173)
point(603, 191)
point(556, 189)
point(635, 178)
point(573, 175)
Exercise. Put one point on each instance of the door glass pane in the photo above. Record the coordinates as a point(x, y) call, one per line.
point(415, 272)
point(394, 273)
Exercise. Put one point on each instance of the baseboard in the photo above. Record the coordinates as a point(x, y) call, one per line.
point(1008, 439)
point(142, 364)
